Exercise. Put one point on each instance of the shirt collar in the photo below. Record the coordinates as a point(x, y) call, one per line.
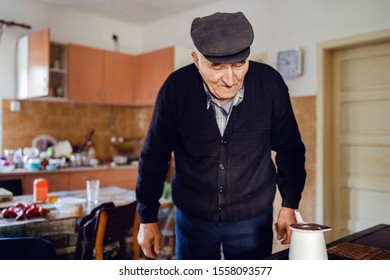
point(236, 99)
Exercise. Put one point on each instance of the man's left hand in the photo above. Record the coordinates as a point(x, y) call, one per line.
point(286, 217)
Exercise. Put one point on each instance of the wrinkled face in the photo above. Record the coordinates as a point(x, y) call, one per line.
point(223, 80)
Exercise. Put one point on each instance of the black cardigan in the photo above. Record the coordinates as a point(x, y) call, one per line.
point(227, 178)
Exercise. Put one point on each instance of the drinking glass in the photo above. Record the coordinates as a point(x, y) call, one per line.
point(93, 191)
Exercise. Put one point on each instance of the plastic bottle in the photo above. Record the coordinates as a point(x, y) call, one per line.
point(41, 187)
point(18, 158)
point(91, 152)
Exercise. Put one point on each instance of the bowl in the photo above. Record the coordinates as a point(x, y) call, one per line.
point(33, 166)
point(120, 160)
point(51, 167)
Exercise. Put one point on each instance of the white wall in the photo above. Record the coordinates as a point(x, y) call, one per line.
point(280, 24)
point(66, 26)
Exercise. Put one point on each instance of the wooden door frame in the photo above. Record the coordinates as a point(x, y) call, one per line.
point(324, 108)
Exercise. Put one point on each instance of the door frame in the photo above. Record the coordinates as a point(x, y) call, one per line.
point(324, 108)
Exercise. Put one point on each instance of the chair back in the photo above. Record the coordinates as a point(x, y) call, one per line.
point(86, 230)
point(26, 248)
point(114, 224)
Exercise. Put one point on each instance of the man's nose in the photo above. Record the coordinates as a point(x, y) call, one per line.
point(228, 76)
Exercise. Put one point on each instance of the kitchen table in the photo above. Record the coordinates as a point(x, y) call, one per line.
point(61, 227)
point(369, 244)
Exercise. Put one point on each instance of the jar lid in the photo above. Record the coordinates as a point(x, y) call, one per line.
point(41, 182)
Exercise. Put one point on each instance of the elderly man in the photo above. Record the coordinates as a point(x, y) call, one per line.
point(222, 116)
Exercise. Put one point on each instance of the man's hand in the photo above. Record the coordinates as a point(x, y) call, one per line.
point(286, 217)
point(149, 238)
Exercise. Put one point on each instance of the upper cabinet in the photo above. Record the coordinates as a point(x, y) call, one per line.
point(41, 66)
point(99, 76)
point(151, 71)
point(86, 74)
point(58, 69)
point(85, 79)
point(118, 78)
point(33, 52)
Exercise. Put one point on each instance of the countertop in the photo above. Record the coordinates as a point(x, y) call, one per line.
point(369, 244)
point(23, 171)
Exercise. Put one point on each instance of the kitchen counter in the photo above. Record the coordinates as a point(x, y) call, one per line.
point(71, 178)
point(22, 171)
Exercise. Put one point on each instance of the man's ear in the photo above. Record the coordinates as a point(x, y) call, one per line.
point(195, 58)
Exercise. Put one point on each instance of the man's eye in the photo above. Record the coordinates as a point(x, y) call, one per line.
point(239, 64)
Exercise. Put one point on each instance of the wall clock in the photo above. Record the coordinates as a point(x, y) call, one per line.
point(289, 62)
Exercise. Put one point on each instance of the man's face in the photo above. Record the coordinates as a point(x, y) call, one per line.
point(223, 80)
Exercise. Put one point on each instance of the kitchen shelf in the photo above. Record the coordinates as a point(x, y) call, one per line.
point(58, 70)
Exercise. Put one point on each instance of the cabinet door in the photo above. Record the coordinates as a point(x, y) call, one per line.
point(57, 182)
point(38, 63)
point(33, 64)
point(85, 74)
point(118, 78)
point(151, 70)
point(77, 180)
point(124, 178)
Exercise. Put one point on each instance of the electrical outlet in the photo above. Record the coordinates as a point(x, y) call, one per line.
point(14, 106)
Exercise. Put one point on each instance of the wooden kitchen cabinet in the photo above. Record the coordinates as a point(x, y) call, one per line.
point(124, 178)
point(151, 70)
point(33, 53)
point(99, 76)
point(57, 182)
point(119, 177)
point(41, 66)
point(77, 180)
point(118, 78)
point(58, 69)
point(73, 179)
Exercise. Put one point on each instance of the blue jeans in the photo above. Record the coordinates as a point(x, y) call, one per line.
point(249, 239)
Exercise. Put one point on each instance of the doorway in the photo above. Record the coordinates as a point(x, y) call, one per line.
point(353, 132)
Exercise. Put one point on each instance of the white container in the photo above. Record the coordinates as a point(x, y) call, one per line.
point(71, 205)
point(120, 160)
point(308, 242)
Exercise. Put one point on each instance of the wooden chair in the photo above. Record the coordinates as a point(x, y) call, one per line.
point(113, 225)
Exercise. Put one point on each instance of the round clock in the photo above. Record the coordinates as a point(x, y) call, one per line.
point(289, 63)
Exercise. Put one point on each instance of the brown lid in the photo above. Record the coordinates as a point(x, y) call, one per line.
point(309, 226)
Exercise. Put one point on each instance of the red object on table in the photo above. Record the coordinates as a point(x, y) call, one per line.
point(41, 187)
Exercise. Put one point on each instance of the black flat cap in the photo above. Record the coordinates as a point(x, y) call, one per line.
point(223, 37)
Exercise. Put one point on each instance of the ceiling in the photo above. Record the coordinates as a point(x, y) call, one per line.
point(138, 12)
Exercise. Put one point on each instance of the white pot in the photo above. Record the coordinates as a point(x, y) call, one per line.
point(308, 242)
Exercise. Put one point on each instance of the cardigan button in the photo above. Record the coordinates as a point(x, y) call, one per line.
point(221, 167)
point(224, 142)
point(220, 189)
point(220, 209)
